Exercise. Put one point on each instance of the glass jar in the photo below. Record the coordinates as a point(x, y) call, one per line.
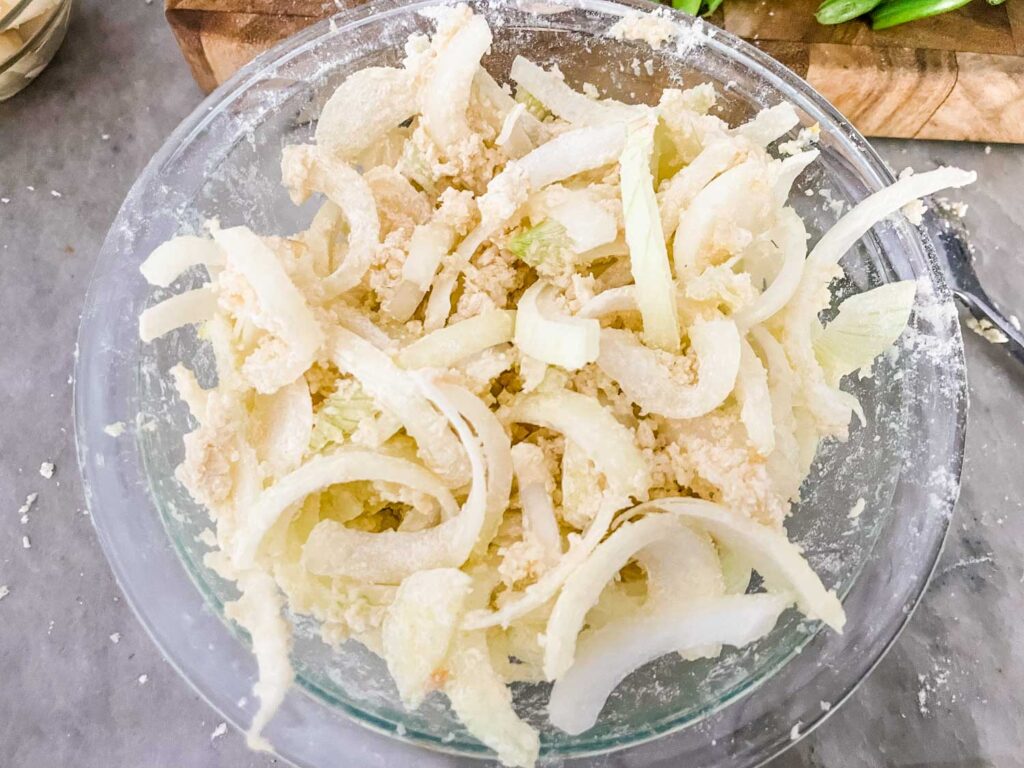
point(31, 31)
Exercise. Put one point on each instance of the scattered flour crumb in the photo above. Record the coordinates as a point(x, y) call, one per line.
point(55, 193)
point(988, 149)
point(243, 701)
point(986, 330)
point(922, 700)
point(400, 730)
point(590, 91)
point(1015, 321)
point(46, 469)
point(115, 638)
point(143, 679)
point(806, 138)
point(219, 731)
point(4, 591)
point(834, 205)
point(25, 543)
point(914, 211)
point(207, 537)
point(653, 29)
point(856, 509)
point(23, 510)
point(825, 706)
point(115, 430)
point(794, 732)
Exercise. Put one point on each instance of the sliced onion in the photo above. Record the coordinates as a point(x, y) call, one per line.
point(321, 472)
point(588, 424)
point(542, 590)
point(769, 124)
point(680, 190)
point(444, 98)
point(446, 347)
point(305, 170)
point(281, 304)
point(610, 302)
point(497, 450)
point(829, 406)
point(260, 612)
point(683, 566)
point(170, 259)
point(535, 488)
point(395, 392)
point(504, 104)
point(551, 336)
point(584, 586)
point(429, 244)
point(284, 424)
point(568, 154)
point(741, 197)
point(768, 551)
point(188, 308)
point(367, 105)
point(424, 616)
point(649, 384)
point(553, 92)
point(606, 657)
point(755, 400)
point(188, 389)
point(790, 236)
point(482, 701)
point(391, 556)
point(648, 256)
point(787, 171)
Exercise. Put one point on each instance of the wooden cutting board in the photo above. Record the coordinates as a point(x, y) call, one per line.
point(957, 76)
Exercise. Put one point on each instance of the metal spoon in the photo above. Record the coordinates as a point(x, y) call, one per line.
point(956, 261)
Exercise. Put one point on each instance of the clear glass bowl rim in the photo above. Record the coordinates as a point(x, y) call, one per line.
point(106, 492)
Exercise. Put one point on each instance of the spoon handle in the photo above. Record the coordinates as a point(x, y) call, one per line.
point(980, 305)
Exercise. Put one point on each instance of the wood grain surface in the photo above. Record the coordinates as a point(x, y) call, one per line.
point(958, 76)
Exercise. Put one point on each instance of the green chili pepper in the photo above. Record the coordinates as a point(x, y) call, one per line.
point(710, 6)
point(691, 7)
point(838, 11)
point(894, 12)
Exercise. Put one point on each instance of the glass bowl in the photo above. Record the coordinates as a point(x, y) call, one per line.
point(740, 710)
point(24, 58)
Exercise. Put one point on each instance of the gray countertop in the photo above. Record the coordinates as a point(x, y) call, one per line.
point(80, 682)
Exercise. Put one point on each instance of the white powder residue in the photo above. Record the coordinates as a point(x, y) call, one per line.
point(833, 205)
point(794, 732)
point(4, 591)
point(914, 211)
point(26, 543)
point(143, 679)
point(856, 509)
point(825, 706)
point(1015, 321)
point(219, 731)
point(986, 330)
point(114, 430)
point(651, 28)
point(46, 469)
point(23, 510)
point(805, 139)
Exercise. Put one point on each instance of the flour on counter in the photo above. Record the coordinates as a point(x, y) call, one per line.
point(46, 469)
point(856, 509)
